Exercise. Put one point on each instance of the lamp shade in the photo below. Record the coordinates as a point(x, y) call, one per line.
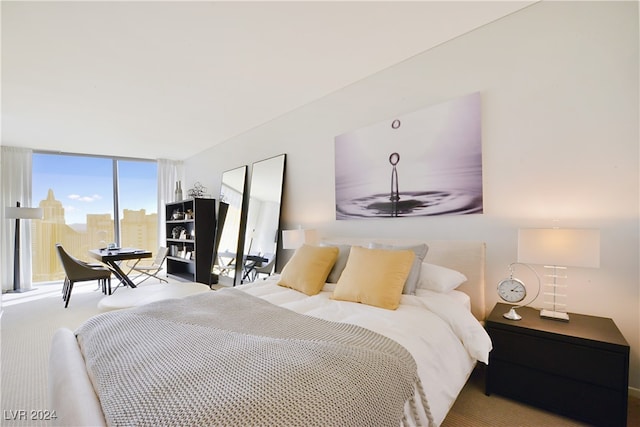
point(293, 239)
point(22, 213)
point(562, 247)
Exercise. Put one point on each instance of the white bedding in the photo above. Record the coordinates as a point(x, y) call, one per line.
point(437, 329)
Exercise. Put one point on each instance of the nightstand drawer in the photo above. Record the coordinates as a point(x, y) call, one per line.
point(570, 360)
point(599, 406)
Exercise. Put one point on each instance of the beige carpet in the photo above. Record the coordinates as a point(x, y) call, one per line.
point(29, 321)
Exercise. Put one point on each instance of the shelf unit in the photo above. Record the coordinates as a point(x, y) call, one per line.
point(190, 228)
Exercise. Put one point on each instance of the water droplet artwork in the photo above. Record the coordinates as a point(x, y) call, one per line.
point(424, 163)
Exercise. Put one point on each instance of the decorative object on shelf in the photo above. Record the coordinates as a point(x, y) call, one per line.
point(513, 290)
point(178, 192)
point(19, 213)
point(188, 214)
point(198, 190)
point(556, 249)
point(177, 215)
point(177, 231)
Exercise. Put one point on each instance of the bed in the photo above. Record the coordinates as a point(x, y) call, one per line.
point(279, 356)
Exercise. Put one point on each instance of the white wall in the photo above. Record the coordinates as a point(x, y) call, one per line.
point(559, 85)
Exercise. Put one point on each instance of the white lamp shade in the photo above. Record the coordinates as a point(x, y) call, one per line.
point(560, 247)
point(23, 213)
point(293, 239)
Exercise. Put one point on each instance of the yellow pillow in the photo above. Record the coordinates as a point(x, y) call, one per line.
point(308, 269)
point(374, 277)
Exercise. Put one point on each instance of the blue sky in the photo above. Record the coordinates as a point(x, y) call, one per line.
point(85, 184)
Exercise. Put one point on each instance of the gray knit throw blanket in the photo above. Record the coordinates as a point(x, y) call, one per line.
point(231, 359)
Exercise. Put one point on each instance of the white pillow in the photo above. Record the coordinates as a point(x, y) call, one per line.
point(438, 278)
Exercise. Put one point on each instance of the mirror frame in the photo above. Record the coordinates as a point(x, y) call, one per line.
point(241, 226)
point(255, 182)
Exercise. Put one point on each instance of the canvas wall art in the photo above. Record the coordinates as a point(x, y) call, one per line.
point(424, 163)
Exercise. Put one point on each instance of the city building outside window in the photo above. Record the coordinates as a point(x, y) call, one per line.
point(79, 196)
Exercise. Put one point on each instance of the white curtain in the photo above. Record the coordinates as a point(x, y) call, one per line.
point(16, 187)
point(169, 172)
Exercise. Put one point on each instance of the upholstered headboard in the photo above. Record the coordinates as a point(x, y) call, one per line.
point(465, 256)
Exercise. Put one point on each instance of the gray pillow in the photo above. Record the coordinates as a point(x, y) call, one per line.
point(411, 283)
point(340, 263)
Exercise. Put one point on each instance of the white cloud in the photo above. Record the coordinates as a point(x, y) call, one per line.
point(80, 198)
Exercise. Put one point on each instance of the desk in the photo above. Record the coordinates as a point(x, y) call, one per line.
point(250, 264)
point(111, 257)
point(248, 269)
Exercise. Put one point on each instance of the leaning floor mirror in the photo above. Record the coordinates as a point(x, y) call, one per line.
point(263, 218)
point(229, 237)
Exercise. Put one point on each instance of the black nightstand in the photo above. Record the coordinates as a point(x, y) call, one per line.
point(579, 369)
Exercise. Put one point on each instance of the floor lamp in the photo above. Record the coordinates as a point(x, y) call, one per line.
point(557, 249)
point(19, 213)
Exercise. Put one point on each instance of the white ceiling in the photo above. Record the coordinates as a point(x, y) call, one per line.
point(170, 79)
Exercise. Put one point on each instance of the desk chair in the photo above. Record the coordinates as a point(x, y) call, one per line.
point(264, 268)
point(226, 264)
point(80, 271)
point(149, 270)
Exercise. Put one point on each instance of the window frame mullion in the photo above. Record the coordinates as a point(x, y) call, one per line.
point(116, 204)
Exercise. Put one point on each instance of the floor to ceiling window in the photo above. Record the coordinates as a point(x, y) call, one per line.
point(89, 202)
point(137, 207)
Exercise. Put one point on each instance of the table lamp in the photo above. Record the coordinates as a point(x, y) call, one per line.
point(19, 213)
point(293, 239)
point(556, 249)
